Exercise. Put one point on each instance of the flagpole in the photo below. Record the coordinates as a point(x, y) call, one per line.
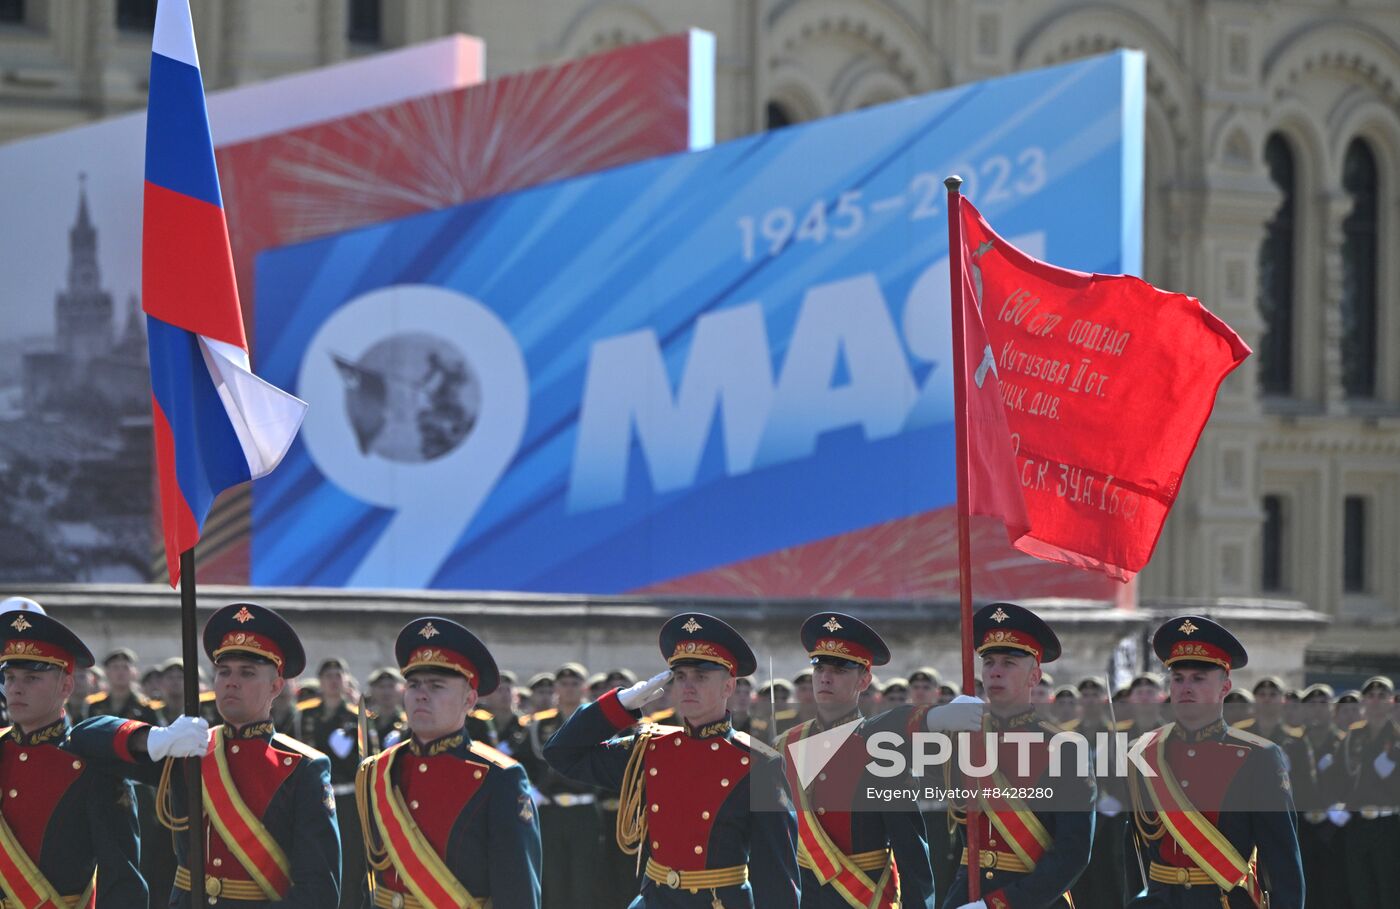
point(194, 784)
point(955, 278)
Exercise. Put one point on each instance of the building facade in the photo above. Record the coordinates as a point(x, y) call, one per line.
point(1273, 194)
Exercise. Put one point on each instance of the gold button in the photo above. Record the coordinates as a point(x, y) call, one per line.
point(213, 887)
point(14, 792)
point(821, 811)
point(655, 844)
point(1185, 783)
point(1190, 752)
point(287, 761)
point(24, 755)
point(652, 771)
point(991, 842)
point(744, 761)
point(704, 815)
point(477, 775)
point(397, 901)
point(655, 807)
point(714, 746)
point(724, 782)
point(413, 804)
point(676, 741)
point(77, 765)
point(234, 749)
point(422, 768)
point(990, 875)
point(1239, 752)
point(651, 747)
point(821, 776)
point(217, 863)
point(699, 849)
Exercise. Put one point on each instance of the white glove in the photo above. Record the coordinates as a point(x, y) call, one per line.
point(962, 714)
point(980, 904)
point(1338, 816)
point(1324, 762)
point(188, 736)
point(642, 692)
point(1384, 765)
point(1109, 806)
point(341, 742)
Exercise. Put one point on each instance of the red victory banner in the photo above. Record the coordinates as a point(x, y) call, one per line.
point(1107, 383)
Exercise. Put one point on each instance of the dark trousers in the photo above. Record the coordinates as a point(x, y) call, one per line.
point(572, 855)
point(1103, 883)
point(354, 868)
point(1324, 864)
point(1373, 860)
point(157, 848)
point(941, 857)
point(617, 884)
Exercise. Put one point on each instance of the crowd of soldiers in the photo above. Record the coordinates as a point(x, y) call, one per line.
point(446, 781)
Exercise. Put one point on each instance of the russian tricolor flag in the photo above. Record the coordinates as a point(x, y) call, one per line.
point(216, 424)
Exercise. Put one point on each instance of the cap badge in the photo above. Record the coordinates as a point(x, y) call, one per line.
point(21, 624)
point(243, 616)
point(428, 631)
point(1188, 628)
point(691, 626)
point(999, 616)
point(832, 625)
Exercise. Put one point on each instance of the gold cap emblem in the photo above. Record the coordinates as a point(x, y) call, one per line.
point(21, 624)
point(428, 631)
point(832, 625)
point(243, 616)
point(999, 616)
point(691, 626)
point(1188, 628)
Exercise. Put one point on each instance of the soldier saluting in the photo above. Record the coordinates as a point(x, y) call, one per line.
point(704, 807)
point(851, 855)
point(448, 821)
point(1215, 823)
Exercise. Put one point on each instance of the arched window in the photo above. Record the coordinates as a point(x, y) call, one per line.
point(1276, 275)
point(776, 116)
point(364, 22)
point(1359, 264)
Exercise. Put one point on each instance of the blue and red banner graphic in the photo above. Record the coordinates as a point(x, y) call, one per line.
point(722, 371)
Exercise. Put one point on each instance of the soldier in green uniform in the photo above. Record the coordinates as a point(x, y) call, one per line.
point(570, 825)
point(1104, 882)
point(1321, 832)
point(773, 712)
point(1371, 751)
point(330, 724)
point(387, 715)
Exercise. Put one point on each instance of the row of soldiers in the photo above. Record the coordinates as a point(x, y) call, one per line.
point(435, 815)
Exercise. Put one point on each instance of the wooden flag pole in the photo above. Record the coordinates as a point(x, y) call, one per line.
point(194, 784)
point(955, 278)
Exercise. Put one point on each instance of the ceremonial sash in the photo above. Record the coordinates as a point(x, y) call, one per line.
point(240, 829)
point(1016, 823)
point(413, 857)
point(830, 865)
point(1192, 831)
point(26, 884)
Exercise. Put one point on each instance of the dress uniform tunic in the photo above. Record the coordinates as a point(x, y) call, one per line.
point(1373, 795)
point(472, 805)
point(70, 817)
point(706, 808)
point(1215, 823)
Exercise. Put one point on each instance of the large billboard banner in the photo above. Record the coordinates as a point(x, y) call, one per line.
point(660, 376)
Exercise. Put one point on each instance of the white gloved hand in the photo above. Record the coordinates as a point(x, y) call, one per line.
point(962, 714)
point(1109, 806)
point(1384, 765)
point(980, 904)
point(1324, 762)
point(188, 736)
point(642, 692)
point(1338, 816)
point(341, 742)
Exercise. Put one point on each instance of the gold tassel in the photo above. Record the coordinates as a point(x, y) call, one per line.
point(165, 803)
point(631, 806)
point(375, 853)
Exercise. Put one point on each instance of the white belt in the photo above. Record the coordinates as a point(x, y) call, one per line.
point(343, 789)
